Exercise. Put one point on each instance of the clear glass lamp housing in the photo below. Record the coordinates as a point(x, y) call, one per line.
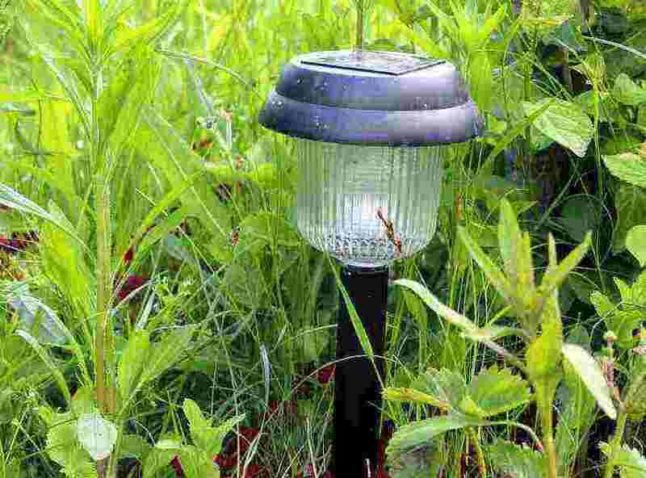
point(367, 205)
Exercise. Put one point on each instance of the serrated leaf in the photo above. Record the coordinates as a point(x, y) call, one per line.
point(564, 122)
point(512, 460)
point(421, 433)
point(636, 243)
point(630, 462)
point(590, 373)
point(496, 391)
point(629, 167)
point(96, 434)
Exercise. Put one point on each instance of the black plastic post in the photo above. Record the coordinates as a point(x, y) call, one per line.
point(357, 393)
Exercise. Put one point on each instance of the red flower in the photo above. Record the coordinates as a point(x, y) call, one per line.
point(247, 436)
point(19, 241)
point(130, 285)
point(177, 466)
point(326, 374)
point(255, 471)
point(128, 256)
point(226, 461)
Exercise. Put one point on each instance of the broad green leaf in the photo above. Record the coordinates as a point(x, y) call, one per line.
point(579, 214)
point(206, 437)
point(196, 463)
point(496, 391)
point(96, 434)
point(166, 352)
point(564, 122)
point(446, 386)
point(158, 461)
point(631, 463)
point(590, 373)
point(63, 448)
point(629, 167)
point(132, 362)
point(636, 243)
point(421, 433)
point(543, 356)
point(133, 446)
point(36, 317)
point(509, 459)
point(48, 361)
point(14, 200)
point(630, 203)
point(627, 92)
point(577, 414)
point(509, 237)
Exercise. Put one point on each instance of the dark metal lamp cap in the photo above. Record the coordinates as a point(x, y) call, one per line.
point(371, 98)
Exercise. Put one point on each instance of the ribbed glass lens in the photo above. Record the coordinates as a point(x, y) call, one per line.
point(367, 205)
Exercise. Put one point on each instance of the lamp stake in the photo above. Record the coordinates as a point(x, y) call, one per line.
point(357, 392)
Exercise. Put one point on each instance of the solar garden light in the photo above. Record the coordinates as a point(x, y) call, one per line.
point(370, 129)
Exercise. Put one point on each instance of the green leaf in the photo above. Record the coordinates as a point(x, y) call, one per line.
point(133, 446)
point(96, 434)
point(421, 433)
point(579, 215)
point(411, 395)
point(496, 391)
point(166, 353)
point(630, 203)
point(14, 200)
point(555, 275)
point(635, 397)
point(591, 375)
point(64, 448)
point(48, 361)
point(629, 167)
point(564, 122)
point(509, 459)
point(543, 356)
point(627, 92)
point(132, 362)
point(440, 309)
point(493, 273)
point(630, 462)
point(636, 243)
point(357, 323)
point(206, 437)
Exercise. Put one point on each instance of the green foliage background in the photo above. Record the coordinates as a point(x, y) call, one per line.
point(161, 300)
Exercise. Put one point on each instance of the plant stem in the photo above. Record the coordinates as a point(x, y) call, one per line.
point(551, 457)
point(615, 444)
point(482, 465)
point(361, 14)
